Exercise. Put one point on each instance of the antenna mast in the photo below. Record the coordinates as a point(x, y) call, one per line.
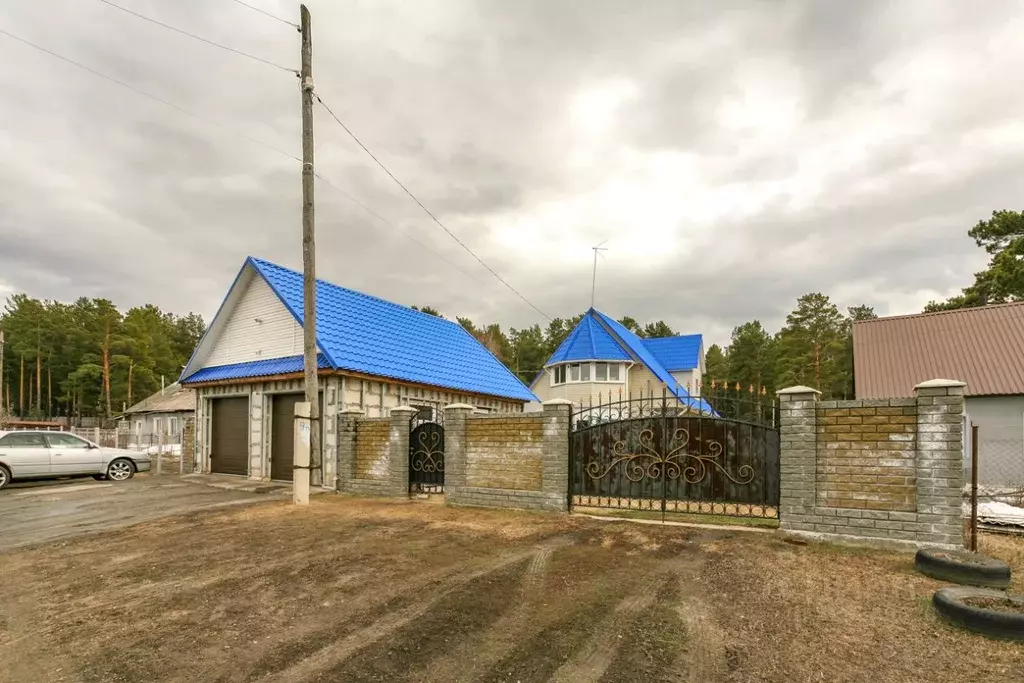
point(593, 281)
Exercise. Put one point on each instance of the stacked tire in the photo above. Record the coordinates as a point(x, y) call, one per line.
point(983, 579)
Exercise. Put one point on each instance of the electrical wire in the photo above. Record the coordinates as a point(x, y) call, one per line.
point(148, 95)
point(272, 16)
point(426, 210)
point(388, 223)
point(199, 38)
point(240, 135)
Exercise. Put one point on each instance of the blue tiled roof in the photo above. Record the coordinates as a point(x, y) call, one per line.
point(256, 368)
point(676, 353)
point(598, 326)
point(589, 341)
point(365, 334)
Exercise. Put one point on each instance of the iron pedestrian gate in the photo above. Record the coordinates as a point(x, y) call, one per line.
point(719, 456)
point(426, 458)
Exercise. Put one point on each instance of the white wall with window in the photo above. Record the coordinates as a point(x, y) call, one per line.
point(588, 371)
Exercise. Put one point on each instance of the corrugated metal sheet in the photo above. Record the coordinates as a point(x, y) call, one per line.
point(983, 347)
point(589, 341)
point(255, 368)
point(676, 353)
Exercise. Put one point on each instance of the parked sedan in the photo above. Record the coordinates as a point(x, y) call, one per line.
point(42, 455)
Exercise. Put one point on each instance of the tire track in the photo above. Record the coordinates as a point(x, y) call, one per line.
point(336, 653)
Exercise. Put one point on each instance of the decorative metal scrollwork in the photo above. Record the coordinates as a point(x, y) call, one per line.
point(428, 457)
point(650, 464)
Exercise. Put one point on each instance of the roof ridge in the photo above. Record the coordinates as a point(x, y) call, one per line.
point(328, 283)
point(929, 314)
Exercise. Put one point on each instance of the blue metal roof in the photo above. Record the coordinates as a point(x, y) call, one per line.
point(256, 368)
point(589, 341)
point(636, 346)
point(366, 334)
point(676, 353)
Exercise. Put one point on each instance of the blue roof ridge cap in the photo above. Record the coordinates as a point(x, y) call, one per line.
point(363, 294)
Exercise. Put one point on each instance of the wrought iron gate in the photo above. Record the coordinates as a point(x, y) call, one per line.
point(426, 458)
point(660, 454)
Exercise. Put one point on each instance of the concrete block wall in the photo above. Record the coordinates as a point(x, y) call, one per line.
point(519, 461)
point(879, 470)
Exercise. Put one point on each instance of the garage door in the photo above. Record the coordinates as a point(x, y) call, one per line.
point(282, 434)
point(229, 443)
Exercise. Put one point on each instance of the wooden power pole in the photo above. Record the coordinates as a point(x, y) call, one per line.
point(302, 476)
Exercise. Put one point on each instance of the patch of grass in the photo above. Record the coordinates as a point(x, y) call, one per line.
point(725, 520)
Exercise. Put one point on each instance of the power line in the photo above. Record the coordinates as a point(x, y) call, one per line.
point(199, 38)
point(426, 210)
point(237, 134)
point(148, 95)
point(272, 16)
point(395, 227)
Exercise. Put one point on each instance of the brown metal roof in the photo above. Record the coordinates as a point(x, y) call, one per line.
point(981, 346)
point(173, 399)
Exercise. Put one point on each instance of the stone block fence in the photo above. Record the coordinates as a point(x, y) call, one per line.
point(880, 469)
point(510, 460)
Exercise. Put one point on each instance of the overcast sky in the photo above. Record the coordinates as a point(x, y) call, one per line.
point(734, 155)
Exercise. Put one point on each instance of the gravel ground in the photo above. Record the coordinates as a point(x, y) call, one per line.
point(361, 590)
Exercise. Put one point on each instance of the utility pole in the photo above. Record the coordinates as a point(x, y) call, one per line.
point(593, 282)
point(2, 377)
point(300, 487)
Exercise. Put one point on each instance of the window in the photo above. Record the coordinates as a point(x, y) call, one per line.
point(61, 440)
point(425, 414)
point(613, 372)
point(585, 372)
point(172, 425)
point(601, 372)
point(23, 440)
point(574, 372)
point(559, 374)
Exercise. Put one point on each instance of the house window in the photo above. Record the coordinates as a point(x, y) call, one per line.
point(574, 372)
point(613, 372)
point(601, 372)
point(559, 374)
point(585, 372)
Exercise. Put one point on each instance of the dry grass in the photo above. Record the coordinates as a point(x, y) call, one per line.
point(360, 590)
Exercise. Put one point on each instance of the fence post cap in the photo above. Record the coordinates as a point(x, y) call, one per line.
point(404, 410)
point(557, 402)
point(940, 383)
point(459, 406)
point(797, 390)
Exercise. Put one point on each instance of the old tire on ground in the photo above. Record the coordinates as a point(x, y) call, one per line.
point(949, 602)
point(121, 469)
point(960, 566)
point(5, 476)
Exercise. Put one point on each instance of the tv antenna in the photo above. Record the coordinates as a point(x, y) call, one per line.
point(593, 281)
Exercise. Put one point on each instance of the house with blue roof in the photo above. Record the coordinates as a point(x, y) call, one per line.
point(374, 355)
point(601, 360)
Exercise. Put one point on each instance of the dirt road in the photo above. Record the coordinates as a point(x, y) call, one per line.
point(354, 590)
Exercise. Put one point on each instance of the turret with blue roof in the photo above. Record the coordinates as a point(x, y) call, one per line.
point(601, 357)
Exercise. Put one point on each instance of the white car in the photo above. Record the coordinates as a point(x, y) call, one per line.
point(41, 455)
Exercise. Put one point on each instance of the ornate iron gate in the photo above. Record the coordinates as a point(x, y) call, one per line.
point(714, 456)
point(426, 458)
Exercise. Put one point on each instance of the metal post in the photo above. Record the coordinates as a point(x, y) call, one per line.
point(974, 488)
point(300, 475)
point(159, 453)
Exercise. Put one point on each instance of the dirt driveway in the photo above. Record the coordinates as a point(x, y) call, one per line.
point(355, 590)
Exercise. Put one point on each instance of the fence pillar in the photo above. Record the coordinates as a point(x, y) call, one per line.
point(455, 416)
point(398, 448)
point(346, 453)
point(939, 463)
point(797, 457)
point(555, 465)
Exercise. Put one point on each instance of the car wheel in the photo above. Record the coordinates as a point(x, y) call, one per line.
point(121, 469)
point(5, 476)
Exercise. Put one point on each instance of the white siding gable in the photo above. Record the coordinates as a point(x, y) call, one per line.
point(257, 328)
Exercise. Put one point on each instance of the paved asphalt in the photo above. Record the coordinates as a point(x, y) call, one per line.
point(37, 512)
